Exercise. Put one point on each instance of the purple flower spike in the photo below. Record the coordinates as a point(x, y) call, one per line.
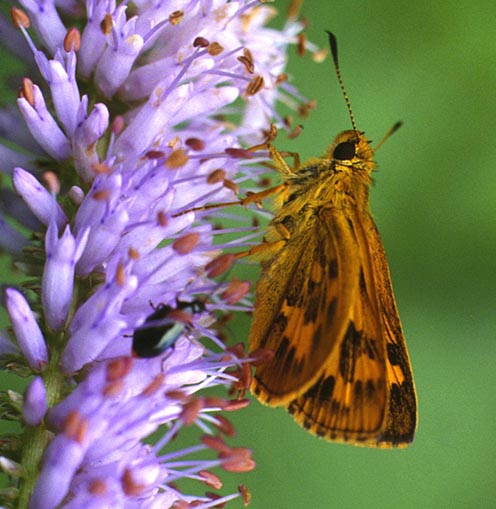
point(136, 116)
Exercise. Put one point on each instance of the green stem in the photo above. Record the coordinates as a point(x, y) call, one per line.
point(35, 439)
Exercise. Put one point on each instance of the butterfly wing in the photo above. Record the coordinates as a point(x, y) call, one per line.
point(401, 418)
point(302, 303)
point(365, 392)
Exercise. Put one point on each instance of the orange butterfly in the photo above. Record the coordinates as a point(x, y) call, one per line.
point(325, 306)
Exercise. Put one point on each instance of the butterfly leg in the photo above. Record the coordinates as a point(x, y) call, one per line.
point(281, 165)
point(268, 248)
point(262, 251)
point(250, 198)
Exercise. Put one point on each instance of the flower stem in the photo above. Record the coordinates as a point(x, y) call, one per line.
point(36, 438)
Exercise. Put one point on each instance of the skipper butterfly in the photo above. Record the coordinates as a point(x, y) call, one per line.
point(324, 303)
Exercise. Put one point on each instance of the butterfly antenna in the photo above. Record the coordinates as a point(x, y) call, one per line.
point(387, 135)
point(333, 43)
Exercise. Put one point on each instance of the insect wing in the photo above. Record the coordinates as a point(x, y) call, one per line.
point(365, 393)
point(401, 418)
point(302, 303)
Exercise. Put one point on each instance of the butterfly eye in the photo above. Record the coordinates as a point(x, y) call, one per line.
point(344, 151)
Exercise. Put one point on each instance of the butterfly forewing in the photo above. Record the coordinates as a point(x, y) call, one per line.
point(401, 418)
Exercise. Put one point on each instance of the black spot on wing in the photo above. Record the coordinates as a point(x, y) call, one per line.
point(294, 295)
point(333, 268)
point(284, 357)
point(312, 286)
point(370, 390)
point(402, 415)
point(353, 337)
point(394, 354)
point(322, 390)
point(336, 406)
point(257, 389)
point(358, 390)
point(363, 284)
point(291, 197)
point(279, 324)
point(317, 337)
point(370, 348)
point(327, 388)
point(312, 310)
point(283, 353)
point(320, 432)
point(276, 329)
point(349, 348)
point(331, 309)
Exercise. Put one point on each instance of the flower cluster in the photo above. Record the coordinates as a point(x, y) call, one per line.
point(135, 128)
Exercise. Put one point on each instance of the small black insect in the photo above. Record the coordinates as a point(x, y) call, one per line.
point(164, 327)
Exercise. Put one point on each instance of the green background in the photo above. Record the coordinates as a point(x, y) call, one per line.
point(432, 65)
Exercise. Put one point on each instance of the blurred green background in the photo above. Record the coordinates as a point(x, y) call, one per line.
point(432, 65)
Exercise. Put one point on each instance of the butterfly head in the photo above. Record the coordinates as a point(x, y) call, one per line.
point(351, 148)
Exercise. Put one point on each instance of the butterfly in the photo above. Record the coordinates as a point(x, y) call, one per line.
point(324, 303)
